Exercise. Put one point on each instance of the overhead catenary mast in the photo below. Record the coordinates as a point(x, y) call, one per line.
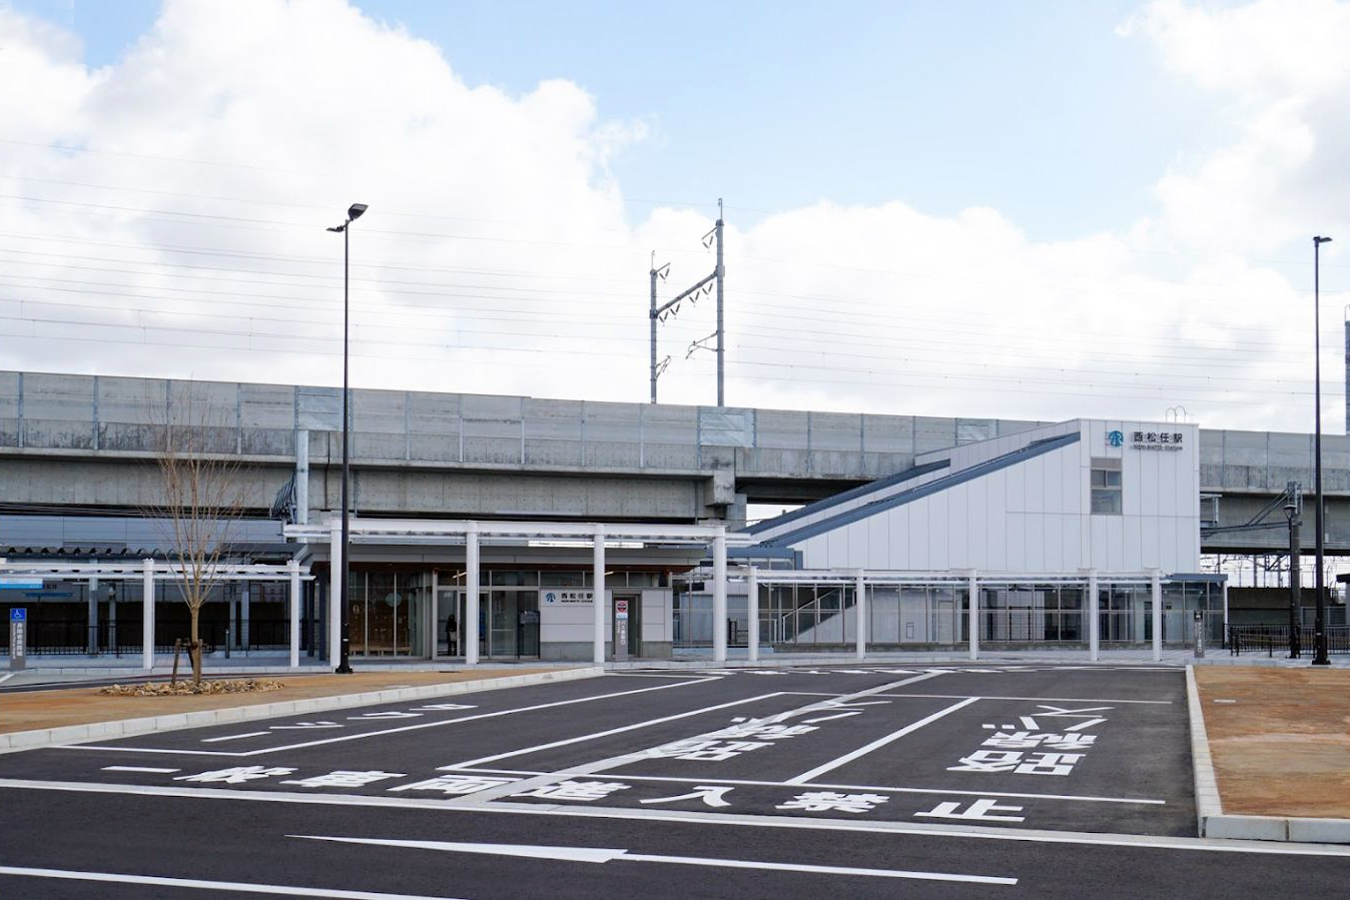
point(702, 287)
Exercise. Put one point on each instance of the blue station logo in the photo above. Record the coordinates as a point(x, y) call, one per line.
point(1115, 438)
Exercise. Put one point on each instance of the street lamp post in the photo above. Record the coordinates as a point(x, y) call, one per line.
point(1295, 555)
point(1319, 623)
point(353, 213)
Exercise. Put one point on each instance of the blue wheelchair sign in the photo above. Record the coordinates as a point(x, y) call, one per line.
point(18, 615)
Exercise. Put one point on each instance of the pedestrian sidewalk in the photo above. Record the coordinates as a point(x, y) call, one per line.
point(60, 708)
point(1279, 745)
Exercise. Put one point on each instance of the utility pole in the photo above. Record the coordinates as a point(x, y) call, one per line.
point(1293, 510)
point(702, 287)
point(721, 274)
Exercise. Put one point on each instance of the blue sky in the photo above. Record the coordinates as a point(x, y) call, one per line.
point(1016, 209)
point(1037, 109)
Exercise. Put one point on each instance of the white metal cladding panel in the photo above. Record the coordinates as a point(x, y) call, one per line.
point(1016, 487)
point(997, 524)
point(1034, 559)
point(1073, 481)
point(1053, 543)
point(656, 615)
point(1167, 541)
point(880, 529)
point(958, 526)
point(1131, 536)
point(1097, 542)
point(916, 538)
point(1076, 530)
point(939, 556)
point(1035, 484)
point(1017, 539)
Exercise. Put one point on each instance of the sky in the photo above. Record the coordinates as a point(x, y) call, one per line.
point(1033, 210)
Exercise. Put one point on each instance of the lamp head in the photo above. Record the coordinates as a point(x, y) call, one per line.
point(1321, 240)
point(355, 211)
point(338, 228)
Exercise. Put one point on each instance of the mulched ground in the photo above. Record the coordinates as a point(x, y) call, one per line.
point(1282, 746)
point(185, 686)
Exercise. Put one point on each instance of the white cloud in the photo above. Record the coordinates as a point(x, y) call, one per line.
point(499, 255)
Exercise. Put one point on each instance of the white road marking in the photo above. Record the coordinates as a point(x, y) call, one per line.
point(879, 743)
point(140, 769)
point(988, 697)
point(599, 734)
point(710, 818)
point(234, 737)
point(4, 678)
point(603, 855)
point(1084, 798)
point(366, 734)
point(628, 758)
point(242, 887)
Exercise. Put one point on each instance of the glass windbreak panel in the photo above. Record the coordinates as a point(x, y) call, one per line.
point(447, 623)
point(356, 611)
point(502, 624)
point(381, 599)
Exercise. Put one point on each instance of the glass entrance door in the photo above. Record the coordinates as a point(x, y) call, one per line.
point(387, 613)
point(502, 624)
point(449, 615)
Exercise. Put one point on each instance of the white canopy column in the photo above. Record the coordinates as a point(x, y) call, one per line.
point(598, 596)
point(752, 609)
point(468, 629)
point(973, 614)
point(293, 571)
point(1155, 585)
point(148, 615)
point(335, 598)
point(860, 610)
point(719, 623)
point(1094, 618)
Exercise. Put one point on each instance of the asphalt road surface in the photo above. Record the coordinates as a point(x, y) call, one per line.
point(944, 781)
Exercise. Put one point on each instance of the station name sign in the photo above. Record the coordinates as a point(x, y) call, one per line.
point(1147, 440)
point(568, 596)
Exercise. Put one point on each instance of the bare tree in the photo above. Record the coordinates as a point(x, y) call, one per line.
point(203, 487)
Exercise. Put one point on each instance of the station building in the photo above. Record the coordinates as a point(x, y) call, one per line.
point(1011, 541)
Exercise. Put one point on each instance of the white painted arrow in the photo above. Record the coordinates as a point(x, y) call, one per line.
point(604, 855)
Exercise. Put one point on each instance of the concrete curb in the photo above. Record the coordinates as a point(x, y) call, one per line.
point(17, 741)
point(1214, 823)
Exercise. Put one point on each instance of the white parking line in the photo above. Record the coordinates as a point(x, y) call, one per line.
point(990, 697)
point(241, 887)
point(367, 734)
point(599, 734)
point(234, 737)
point(152, 769)
point(879, 742)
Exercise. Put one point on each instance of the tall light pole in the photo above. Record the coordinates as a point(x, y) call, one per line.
point(1291, 513)
point(353, 213)
point(1319, 623)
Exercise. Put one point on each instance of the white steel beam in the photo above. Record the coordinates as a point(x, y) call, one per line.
point(468, 629)
point(1156, 589)
point(148, 615)
point(720, 595)
point(752, 609)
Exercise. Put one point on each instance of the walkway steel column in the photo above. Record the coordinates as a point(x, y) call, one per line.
point(335, 566)
point(598, 594)
point(293, 570)
point(720, 595)
point(973, 615)
point(245, 595)
point(860, 614)
point(1155, 587)
point(468, 629)
point(148, 615)
point(752, 609)
point(1094, 617)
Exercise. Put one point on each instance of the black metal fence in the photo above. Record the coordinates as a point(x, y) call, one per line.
point(1273, 640)
point(77, 637)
